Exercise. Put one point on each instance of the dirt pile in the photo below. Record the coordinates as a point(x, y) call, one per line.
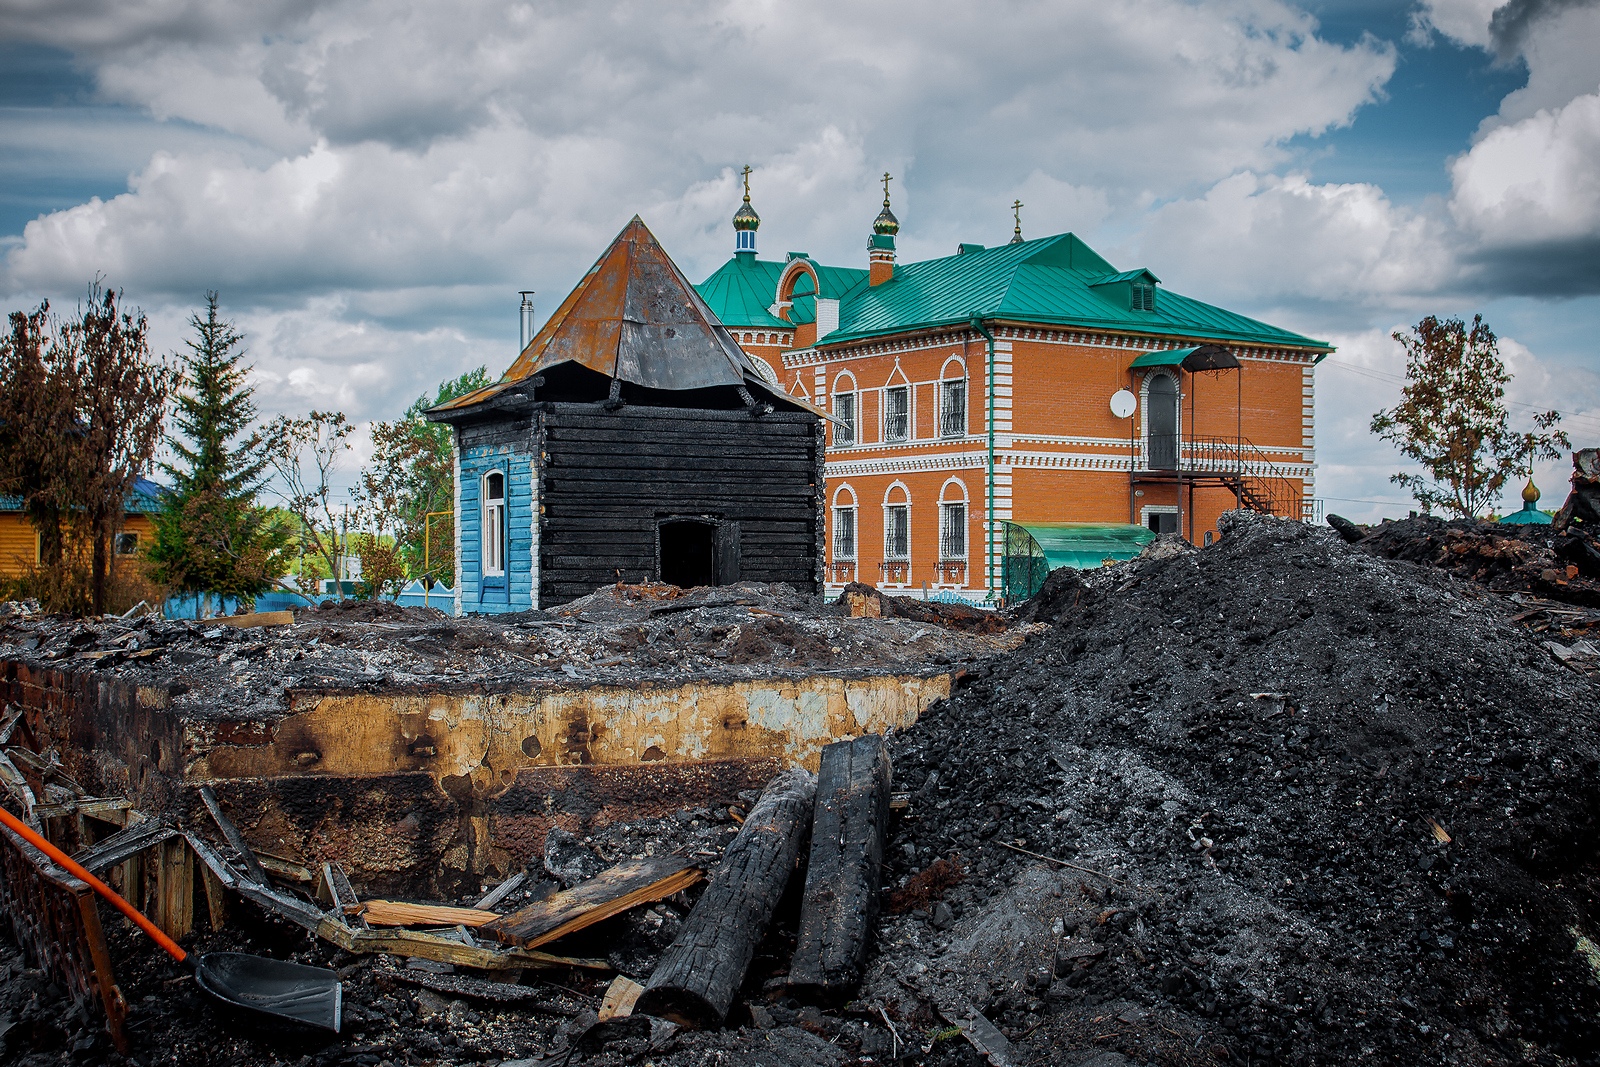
point(1340, 808)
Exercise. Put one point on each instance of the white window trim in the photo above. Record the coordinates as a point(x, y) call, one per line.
point(492, 532)
point(883, 415)
point(966, 538)
point(855, 532)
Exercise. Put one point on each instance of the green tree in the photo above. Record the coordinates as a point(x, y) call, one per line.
point(211, 536)
point(38, 428)
point(412, 474)
point(1452, 421)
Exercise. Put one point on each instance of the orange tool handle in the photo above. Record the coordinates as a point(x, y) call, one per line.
point(33, 838)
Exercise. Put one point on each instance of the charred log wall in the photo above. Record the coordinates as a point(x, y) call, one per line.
point(608, 479)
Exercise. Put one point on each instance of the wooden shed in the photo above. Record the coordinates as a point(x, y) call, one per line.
point(632, 440)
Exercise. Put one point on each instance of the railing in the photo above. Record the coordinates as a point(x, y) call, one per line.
point(895, 572)
point(844, 570)
point(1260, 484)
point(953, 572)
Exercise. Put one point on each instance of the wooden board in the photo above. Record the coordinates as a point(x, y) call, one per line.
point(611, 892)
point(259, 618)
point(404, 913)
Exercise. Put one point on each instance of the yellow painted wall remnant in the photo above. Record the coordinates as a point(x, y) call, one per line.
point(463, 735)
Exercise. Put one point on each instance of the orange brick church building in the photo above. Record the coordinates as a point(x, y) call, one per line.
point(1022, 402)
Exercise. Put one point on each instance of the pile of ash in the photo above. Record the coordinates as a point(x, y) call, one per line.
point(1336, 808)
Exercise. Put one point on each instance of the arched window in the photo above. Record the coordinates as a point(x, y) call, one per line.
point(953, 399)
point(494, 524)
point(844, 524)
point(844, 410)
point(897, 523)
point(953, 521)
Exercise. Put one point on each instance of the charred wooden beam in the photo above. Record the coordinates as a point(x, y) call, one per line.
point(700, 973)
point(845, 874)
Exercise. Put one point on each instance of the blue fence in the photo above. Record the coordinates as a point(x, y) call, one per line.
point(412, 596)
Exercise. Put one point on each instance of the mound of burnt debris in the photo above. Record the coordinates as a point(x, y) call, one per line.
point(1275, 801)
point(618, 634)
point(1280, 800)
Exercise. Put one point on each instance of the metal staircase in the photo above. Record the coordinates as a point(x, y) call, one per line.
point(1237, 464)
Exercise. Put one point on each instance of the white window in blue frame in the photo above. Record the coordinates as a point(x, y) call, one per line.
point(494, 524)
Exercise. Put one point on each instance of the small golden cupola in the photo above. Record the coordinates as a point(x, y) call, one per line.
point(880, 246)
point(745, 222)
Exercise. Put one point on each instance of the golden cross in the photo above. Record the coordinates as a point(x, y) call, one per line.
point(1016, 213)
point(747, 182)
point(886, 180)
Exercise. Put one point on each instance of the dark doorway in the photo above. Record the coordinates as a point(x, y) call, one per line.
point(699, 552)
point(1163, 522)
point(1161, 411)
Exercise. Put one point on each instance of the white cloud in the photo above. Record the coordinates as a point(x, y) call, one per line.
point(1270, 241)
point(1533, 181)
point(1464, 21)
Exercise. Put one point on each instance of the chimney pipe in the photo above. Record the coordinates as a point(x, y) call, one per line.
point(526, 314)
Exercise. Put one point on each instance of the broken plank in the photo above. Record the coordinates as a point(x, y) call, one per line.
point(123, 844)
point(230, 833)
point(259, 618)
point(503, 890)
point(444, 949)
point(285, 869)
point(405, 913)
point(984, 1036)
point(611, 892)
point(701, 972)
point(621, 995)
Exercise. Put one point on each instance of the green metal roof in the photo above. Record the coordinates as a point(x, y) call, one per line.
point(741, 290)
point(1170, 358)
point(1048, 280)
point(1124, 276)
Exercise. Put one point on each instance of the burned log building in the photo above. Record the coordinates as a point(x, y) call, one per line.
point(632, 440)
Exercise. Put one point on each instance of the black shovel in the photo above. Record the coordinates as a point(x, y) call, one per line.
point(294, 991)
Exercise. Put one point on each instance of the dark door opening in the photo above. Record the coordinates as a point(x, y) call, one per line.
point(699, 552)
point(689, 552)
point(1163, 522)
point(1161, 408)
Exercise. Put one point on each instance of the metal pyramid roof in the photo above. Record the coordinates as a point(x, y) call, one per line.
point(634, 316)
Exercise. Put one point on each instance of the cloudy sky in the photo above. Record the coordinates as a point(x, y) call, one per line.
point(369, 184)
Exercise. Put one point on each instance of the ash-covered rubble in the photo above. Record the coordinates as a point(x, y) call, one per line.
point(617, 635)
point(1338, 809)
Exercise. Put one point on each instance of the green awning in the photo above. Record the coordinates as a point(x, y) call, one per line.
point(1033, 550)
point(1199, 357)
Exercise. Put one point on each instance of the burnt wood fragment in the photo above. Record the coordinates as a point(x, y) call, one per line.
point(611, 892)
point(845, 874)
point(700, 973)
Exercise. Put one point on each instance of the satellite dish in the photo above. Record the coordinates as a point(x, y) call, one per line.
point(1123, 403)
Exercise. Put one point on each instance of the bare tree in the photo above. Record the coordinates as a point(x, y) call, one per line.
point(304, 453)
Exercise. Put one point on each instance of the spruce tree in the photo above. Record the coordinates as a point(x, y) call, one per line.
point(211, 537)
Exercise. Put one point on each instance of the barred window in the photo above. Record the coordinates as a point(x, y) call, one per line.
point(953, 531)
point(896, 413)
point(844, 533)
point(896, 532)
point(844, 409)
point(953, 408)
